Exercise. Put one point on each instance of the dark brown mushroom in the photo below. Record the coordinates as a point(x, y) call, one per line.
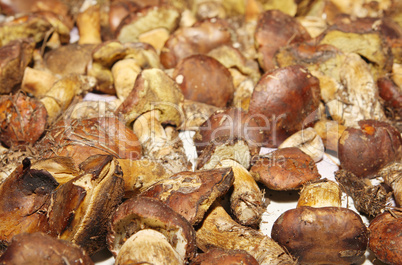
point(218, 256)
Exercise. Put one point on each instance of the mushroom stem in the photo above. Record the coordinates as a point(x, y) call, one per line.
point(37, 82)
point(88, 24)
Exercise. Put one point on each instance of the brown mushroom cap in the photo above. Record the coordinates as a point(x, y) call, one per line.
point(22, 120)
point(284, 101)
point(385, 237)
point(81, 139)
point(327, 235)
point(365, 150)
point(285, 169)
point(218, 256)
point(210, 33)
point(204, 79)
point(192, 193)
point(232, 123)
point(140, 213)
point(274, 30)
point(40, 248)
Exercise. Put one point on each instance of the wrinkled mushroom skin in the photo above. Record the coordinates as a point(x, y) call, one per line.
point(328, 235)
point(204, 79)
point(140, 213)
point(210, 33)
point(231, 123)
point(81, 139)
point(274, 30)
point(365, 150)
point(218, 256)
point(385, 237)
point(285, 169)
point(284, 101)
point(192, 193)
point(40, 248)
point(24, 198)
point(22, 120)
point(391, 94)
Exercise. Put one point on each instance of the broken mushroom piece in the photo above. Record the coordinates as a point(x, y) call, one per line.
point(80, 139)
point(24, 198)
point(40, 248)
point(285, 169)
point(321, 193)
point(367, 198)
point(141, 213)
point(62, 168)
point(285, 101)
point(392, 175)
point(101, 179)
point(89, 25)
point(148, 245)
point(204, 79)
point(218, 256)
point(23, 120)
point(247, 202)
point(153, 90)
point(195, 114)
point(308, 141)
point(219, 230)
point(192, 193)
point(366, 149)
point(385, 239)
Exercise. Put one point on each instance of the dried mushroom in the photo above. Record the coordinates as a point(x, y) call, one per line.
point(192, 193)
point(40, 248)
point(218, 256)
point(366, 149)
point(14, 57)
point(80, 139)
point(219, 230)
point(392, 175)
point(285, 169)
point(204, 79)
point(139, 213)
point(23, 120)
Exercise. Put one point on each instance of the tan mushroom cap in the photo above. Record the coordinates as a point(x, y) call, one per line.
point(218, 256)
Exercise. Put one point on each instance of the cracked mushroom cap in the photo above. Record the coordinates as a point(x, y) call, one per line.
point(42, 249)
point(141, 213)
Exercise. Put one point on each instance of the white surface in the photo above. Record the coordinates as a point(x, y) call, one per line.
point(280, 201)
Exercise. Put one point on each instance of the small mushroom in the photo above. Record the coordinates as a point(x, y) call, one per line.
point(320, 193)
point(218, 256)
point(23, 120)
point(392, 175)
point(89, 25)
point(285, 169)
point(192, 193)
point(141, 213)
point(385, 239)
point(40, 248)
point(204, 79)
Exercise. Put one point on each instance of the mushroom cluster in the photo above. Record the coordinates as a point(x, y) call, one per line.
point(96, 97)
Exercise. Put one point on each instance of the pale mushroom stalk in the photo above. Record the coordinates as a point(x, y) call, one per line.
point(161, 144)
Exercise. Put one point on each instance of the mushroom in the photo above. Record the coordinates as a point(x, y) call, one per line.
point(23, 120)
point(89, 25)
point(385, 240)
point(285, 101)
point(15, 57)
point(219, 230)
point(139, 213)
point(274, 30)
point(40, 248)
point(366, 149)
point(192, 193)
point(285, 169)
point(204, 79)
point(322, 235)
point(392, 176)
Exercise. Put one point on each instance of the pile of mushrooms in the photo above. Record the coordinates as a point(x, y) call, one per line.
point(95, 97)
